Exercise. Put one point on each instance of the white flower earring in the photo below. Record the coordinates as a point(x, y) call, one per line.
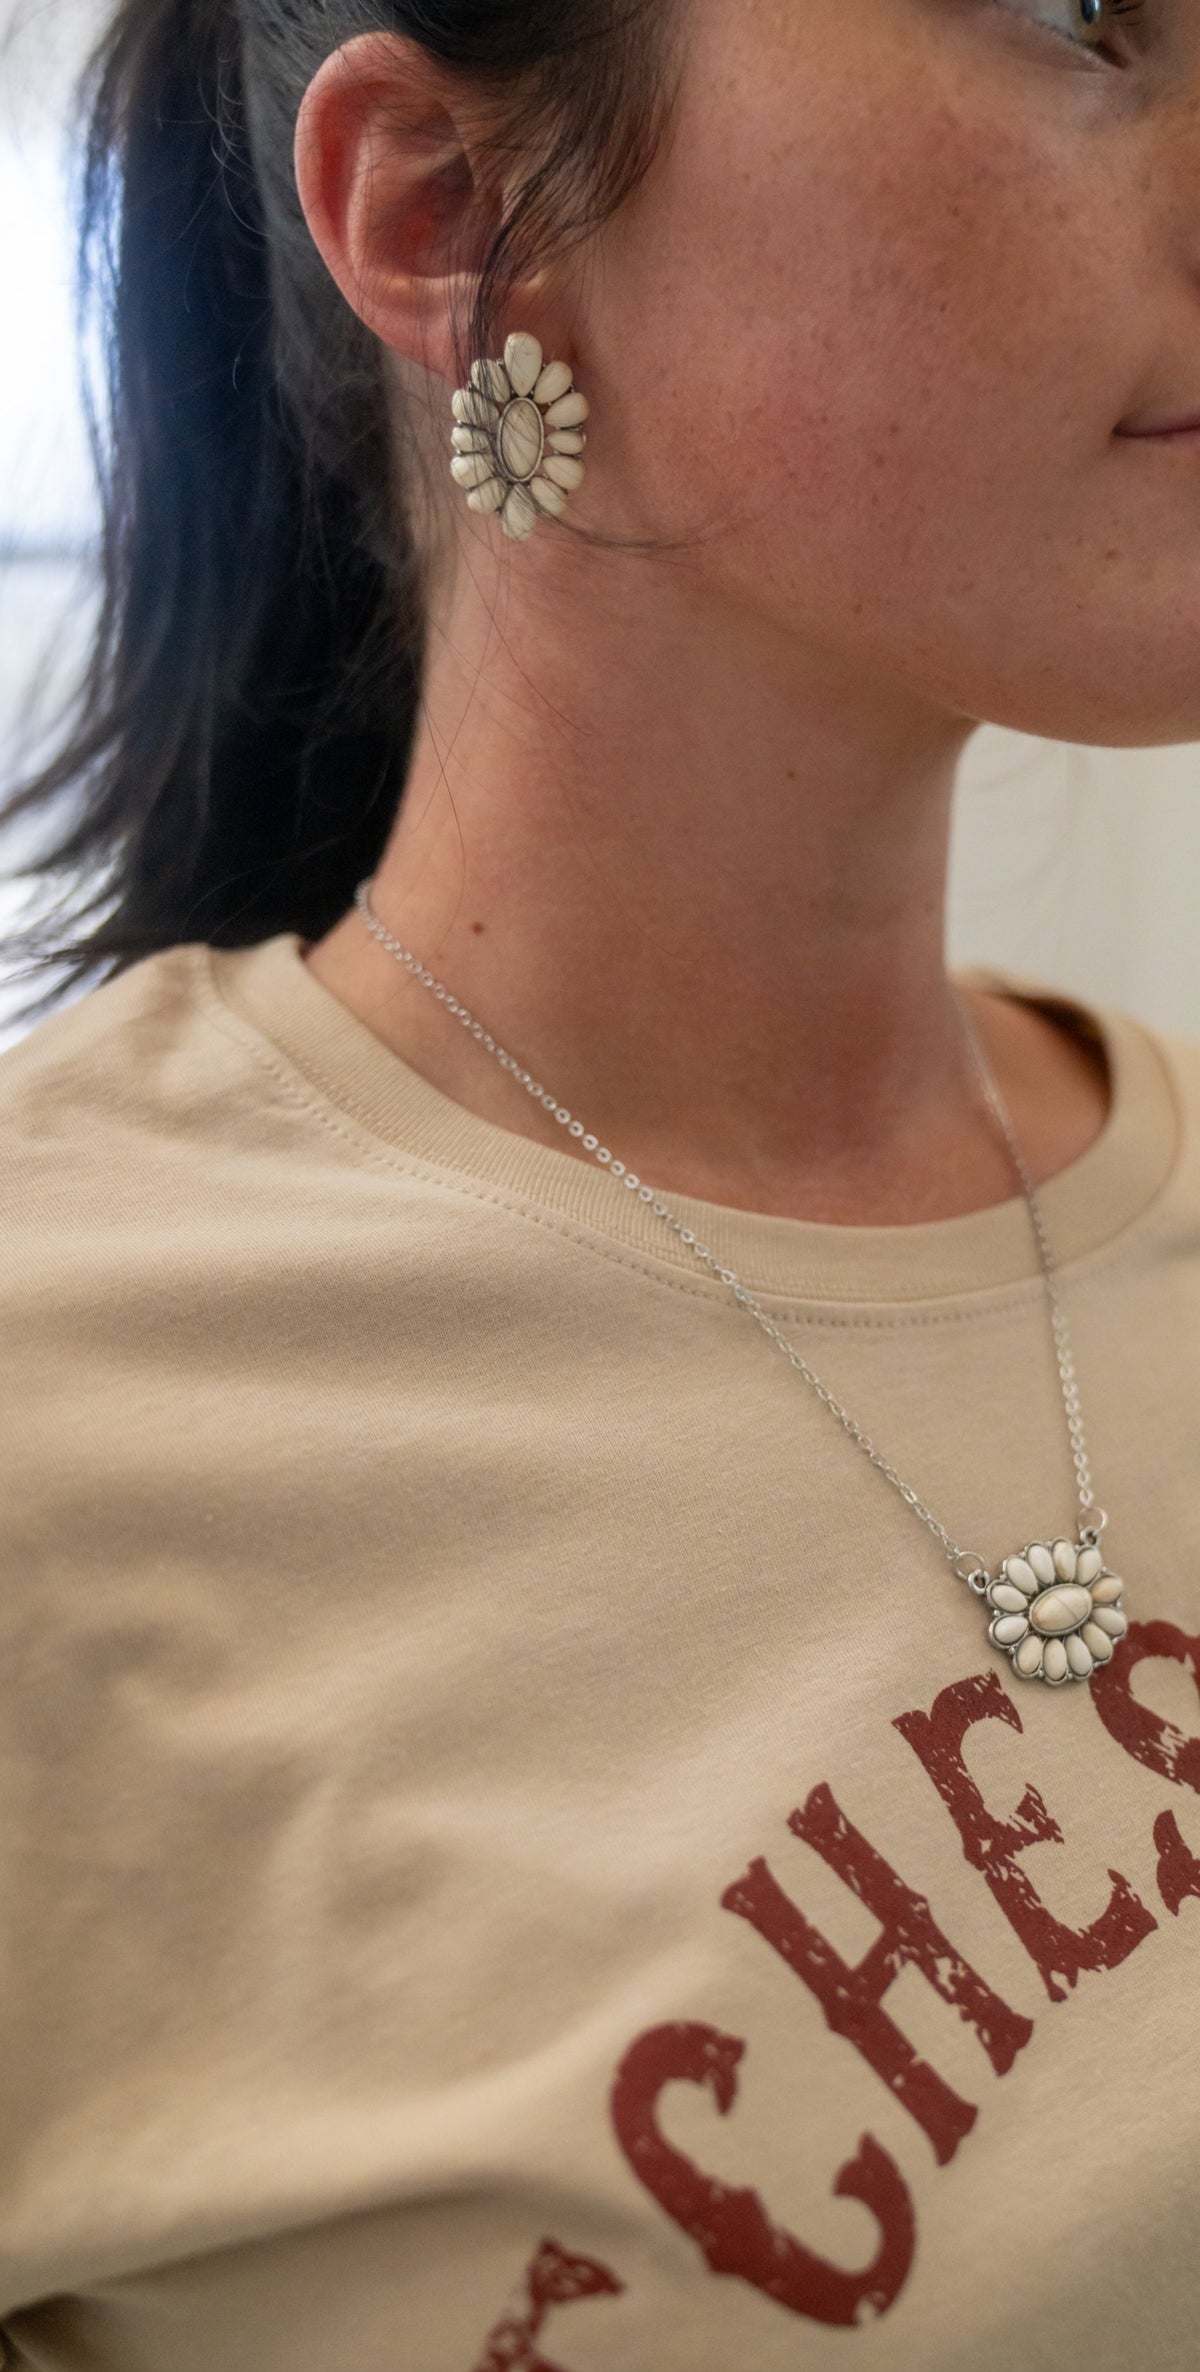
point(518, 435)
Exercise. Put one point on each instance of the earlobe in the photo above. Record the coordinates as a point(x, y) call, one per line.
point(389, 193)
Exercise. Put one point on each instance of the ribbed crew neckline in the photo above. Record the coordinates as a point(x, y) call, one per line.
point(1094, 1199)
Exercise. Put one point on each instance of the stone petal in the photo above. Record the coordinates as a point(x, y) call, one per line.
point(1101, 1645)
point(563, 471)
point(523, 362)
point(1107, 1590)
point(566, 440)
point(1054, 1662)
point(1021, 1575)
point(472, 469)
point(1061, 1609)
point(1008, 1598)
point(554, 381)
point(1111, 1619)
point(489, 497)
point(520, 515)
point(1079, 1655)
point(471, 440)
point(1089, 1566)
point(1065, 1559)
point(1043, 1564)
point(569, 411)
point(492, 379)
point(1008, 1628)
point(550, 498)
point(475, 410)
point(1028, 1658)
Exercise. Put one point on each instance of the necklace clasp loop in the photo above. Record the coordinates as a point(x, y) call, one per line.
point(976, 1573)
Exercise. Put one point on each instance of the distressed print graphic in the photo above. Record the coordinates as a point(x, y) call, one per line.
point(552, 2278)
point(732, 2228)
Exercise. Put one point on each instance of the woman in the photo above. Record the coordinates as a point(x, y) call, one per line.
point(535, 1836)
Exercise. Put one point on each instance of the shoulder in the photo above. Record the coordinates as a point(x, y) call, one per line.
point(139, 1101)
point(1108, 1023)
point(162, 1157)
point(1179, 1053)
point(129, 1060)
point(132, 1120)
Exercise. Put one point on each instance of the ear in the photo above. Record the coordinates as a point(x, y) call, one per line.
point(395, 191)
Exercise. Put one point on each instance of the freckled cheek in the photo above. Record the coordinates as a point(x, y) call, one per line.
point(877, 318)
point(926, 356)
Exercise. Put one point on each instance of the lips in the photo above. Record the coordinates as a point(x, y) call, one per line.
point(1163, 428)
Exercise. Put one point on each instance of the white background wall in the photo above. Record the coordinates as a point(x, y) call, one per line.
point(1073, 866)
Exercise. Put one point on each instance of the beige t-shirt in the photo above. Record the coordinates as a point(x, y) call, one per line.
point(516, 1853)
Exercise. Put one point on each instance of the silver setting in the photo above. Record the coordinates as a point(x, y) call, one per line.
point(518, 438)
point(1097, 1622)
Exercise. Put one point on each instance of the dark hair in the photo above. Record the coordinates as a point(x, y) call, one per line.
point(235, 756)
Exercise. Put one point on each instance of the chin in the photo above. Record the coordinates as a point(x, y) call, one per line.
point(1131, 702)
point(1132, 723)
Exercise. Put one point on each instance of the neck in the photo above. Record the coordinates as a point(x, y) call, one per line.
point(694, 877)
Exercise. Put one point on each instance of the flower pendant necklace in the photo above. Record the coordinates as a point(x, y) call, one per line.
point(1055, 1605)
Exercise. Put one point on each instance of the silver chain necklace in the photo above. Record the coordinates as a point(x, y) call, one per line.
point(1056, 1606)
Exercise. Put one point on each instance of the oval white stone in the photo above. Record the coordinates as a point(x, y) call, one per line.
point(1065, 1559)
point(1008, 1598)
point(1022, 1575)
point(474, 410)
point(492, 379)
point(521, 437)
point(1008, 1628)
point(1111, 1619)
point(489, 497)
point(568, 411)
point(1043, 1564)
point(1054, 1662)
point(519, 516)
point(1090, 1563)
point(1028, 1658)
point(566, 440)
point(1099, 1642)
point(1079, 1655)
point(1061, 1609)
point(522, 361)
point(472, 469)
point(554, 381)
point(470, 440)
point(549, 498)
point(562, 471)
point(1107, 1590)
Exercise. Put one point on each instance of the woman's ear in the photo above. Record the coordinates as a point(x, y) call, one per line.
point(389, 171)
